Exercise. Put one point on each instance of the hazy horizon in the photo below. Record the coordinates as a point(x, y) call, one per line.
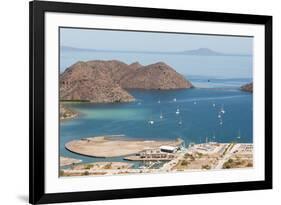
point(199, 51)
point(151, 47)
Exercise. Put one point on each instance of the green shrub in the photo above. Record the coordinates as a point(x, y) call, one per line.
point(107, 166)
point(206, 166)
point(184, 163)
point(226, 165)
point(88, 166)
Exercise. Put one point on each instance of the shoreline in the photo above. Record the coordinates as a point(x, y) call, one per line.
point(66, 161)
point(196, 157)
point(66, 113)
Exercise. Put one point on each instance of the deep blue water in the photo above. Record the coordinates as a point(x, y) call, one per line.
point(199, 117)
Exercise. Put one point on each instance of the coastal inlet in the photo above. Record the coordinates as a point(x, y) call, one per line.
point(141, 127)
point(194, 123)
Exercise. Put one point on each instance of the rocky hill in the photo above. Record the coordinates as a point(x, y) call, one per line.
point(155, 76)
point(93, 81)
point(248, 87)
point(106, 81)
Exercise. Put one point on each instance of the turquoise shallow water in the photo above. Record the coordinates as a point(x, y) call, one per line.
point(199, 111)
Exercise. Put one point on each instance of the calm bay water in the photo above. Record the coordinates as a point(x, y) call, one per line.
point(199, 117)
point(198, 108)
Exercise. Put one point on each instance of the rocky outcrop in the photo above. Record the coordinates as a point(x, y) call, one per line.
point(135, 65)
point(248, 87)
point(66, 113)
point(93, 81)
point(155, 76)
point(106, 81)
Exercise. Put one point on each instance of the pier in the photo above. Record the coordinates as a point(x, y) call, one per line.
point(151, 155)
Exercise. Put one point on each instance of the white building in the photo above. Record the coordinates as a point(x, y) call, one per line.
point(169, 149)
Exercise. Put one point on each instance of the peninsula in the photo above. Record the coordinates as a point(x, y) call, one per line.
point(247, 87)
point(106, 146)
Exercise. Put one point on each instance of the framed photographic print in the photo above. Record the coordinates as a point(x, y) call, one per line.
point(130, 102)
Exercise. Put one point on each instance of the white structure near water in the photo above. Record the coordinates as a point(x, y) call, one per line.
point(169, 149)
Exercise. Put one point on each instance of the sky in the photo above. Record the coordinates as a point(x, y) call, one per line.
point(148, 41)
point(155, 41)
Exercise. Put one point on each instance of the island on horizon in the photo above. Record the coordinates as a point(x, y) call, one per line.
point(199, 51)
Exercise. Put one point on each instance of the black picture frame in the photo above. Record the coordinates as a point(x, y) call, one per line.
point(37, 194)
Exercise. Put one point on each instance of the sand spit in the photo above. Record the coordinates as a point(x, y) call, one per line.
point(106, 146)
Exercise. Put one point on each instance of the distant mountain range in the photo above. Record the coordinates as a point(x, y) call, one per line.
point(198, 52)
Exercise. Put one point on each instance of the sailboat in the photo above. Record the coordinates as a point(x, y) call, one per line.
point(178, 111)
point(161, 115)
point(239, 134)
point(175, 100)
point(214, 137)
point(222, 110)
point(180, 122)
point(206, 140)
point(159, 101)
point(214, 105)
point(151, 122)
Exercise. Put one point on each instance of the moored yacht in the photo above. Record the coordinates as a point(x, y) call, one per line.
point(161, 115)
point(178, 111)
